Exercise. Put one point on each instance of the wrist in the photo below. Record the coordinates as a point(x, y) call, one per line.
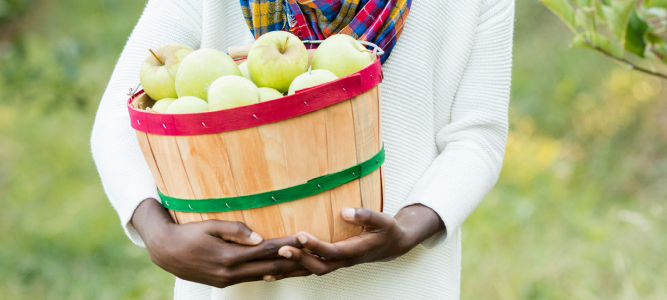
point(151, 220)
point(418, 222)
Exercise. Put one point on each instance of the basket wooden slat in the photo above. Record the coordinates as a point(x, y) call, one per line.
point(367, 120)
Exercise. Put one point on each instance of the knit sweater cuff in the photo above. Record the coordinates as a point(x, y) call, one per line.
point(453, 186)
point(126, 218)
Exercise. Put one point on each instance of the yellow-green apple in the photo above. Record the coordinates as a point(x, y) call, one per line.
point(232, 91)
point(266, 94)
point(187, 105)
point(311, 78)
point(159, 70)
point(161, 105)
point(342, 55)
point(244, 69)
point(200, 69)
point(275, 59)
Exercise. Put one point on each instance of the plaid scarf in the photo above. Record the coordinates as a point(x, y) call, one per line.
point(378, 21)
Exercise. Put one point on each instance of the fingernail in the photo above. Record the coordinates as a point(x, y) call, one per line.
point(285, 253)
point(255, 238)
point(302, 239)
point(348, 213)
point(269, 278)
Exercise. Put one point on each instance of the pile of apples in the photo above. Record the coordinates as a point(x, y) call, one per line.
point(183, 80)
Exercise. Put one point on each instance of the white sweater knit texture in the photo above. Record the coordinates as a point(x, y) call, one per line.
point(445, 99)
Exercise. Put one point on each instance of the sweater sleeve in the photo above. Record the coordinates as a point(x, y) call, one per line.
point(472, 145)
point(125, 175)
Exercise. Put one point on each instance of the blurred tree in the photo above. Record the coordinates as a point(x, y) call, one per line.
point(10, 8)
point(632, 32)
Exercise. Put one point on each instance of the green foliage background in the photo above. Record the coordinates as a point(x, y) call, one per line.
point(578, 212)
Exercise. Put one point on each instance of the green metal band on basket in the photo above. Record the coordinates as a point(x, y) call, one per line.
point(312, 187)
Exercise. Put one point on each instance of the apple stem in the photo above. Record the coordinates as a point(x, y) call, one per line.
point(284, 46)
point(151, 50)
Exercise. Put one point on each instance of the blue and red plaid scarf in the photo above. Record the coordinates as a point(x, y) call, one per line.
point(378, 21)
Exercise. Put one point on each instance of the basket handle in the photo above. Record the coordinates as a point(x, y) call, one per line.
point(242, 51)
point(239, 51)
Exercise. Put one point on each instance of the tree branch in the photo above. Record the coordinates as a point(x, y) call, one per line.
point(629, 64)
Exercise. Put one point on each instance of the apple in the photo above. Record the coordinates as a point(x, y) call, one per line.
point(342, 55)
point(311, 78)
point(161, 105)
point(275, 59)
point(266, 94)
point(244, 69)
point(198, 71)
point(159, 70)
point(187, 105)
point(232, 91)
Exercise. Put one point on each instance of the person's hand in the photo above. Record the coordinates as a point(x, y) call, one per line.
point(212, 252)
point(383, 238)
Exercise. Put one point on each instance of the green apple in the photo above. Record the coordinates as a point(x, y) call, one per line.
point(159, 70)
point(232, 91)
point(244, 69)
point(266, 94)
point(275, 59)
point(198, 71)
point(187, 105)
point(311, 78)
point(342, 55)
point(161, 105)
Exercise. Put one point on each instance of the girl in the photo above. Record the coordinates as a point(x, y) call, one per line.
point(445, 101)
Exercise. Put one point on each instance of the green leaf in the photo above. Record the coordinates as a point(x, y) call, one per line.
point(660, 49)
point(658, 12)
point(585, 17)
point(610, 46)
point(655, 3)
point(599, 11)
point(564, 10)
point(635, 39)
point(618, 16)
point(582, 3)
point(584, 41)
point(579, 41)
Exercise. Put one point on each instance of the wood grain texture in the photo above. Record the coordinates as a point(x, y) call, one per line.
point(272, 140)
point(207, 166)
point(365, 108)
point(320, 129)
point(251, 176)
point(146, 150)
point(239, 51)
point(341, 144)
point(302, 162)
point(380, 208)
point(168, 160)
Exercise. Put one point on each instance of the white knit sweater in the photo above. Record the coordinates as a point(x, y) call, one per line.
point(445, 102)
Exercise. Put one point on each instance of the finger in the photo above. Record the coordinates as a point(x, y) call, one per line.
point(232, 254)
point(367, 217)
point(273, 267)
point(236, 232)
point(353, 247)
point(299, 273)
point(315, 265)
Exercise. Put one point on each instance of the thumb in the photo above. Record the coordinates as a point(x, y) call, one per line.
point(367, 217)
point(236, 232)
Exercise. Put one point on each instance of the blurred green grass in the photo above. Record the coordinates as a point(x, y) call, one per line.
point(578, 212)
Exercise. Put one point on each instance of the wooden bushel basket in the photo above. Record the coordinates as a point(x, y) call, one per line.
point(249, 150)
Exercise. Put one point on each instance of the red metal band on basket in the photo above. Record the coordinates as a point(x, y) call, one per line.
point(303, 102)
